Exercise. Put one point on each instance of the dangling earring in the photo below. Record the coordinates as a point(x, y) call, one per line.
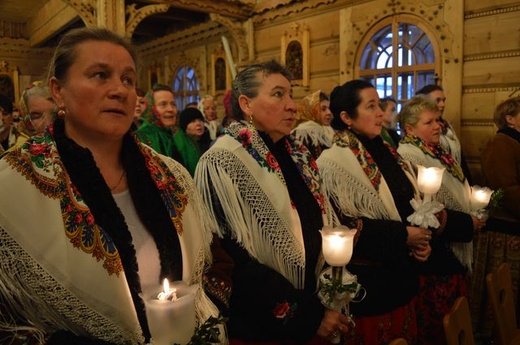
point(251, 119)
point(61, 113)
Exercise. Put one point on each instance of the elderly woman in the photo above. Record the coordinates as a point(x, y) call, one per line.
point(37, 109)
point(500, 162)
point(208, 107)
point(160, 120)
point(191, 138)
point(444, 277)
point(371, 188)
point(264, 192)
point(309, 129)
point(98, 217)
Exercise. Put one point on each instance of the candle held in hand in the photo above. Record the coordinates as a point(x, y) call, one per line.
point(338, 244)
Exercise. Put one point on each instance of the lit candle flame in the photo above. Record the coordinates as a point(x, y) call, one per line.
point(167, 293)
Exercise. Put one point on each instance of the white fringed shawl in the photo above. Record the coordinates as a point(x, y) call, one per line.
point(350, 188)
point(256, 205)
point(450, 142)
point(313, 133)
point(54, 285)
point(454, 194)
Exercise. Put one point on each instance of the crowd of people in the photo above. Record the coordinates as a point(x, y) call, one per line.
point(107, 190)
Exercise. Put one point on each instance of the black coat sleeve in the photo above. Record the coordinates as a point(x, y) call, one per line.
point(265, 306)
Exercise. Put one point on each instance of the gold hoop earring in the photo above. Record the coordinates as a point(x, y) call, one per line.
point(61, 113)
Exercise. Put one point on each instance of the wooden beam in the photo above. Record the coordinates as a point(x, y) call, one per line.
point(52, 17)
point(233, 9)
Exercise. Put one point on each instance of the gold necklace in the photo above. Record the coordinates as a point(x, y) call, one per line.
point(119, 181)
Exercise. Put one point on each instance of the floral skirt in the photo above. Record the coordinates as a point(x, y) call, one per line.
point(382, 329)
point(438, 293)
point(490, 250)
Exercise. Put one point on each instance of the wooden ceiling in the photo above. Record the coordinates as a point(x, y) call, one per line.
point(181, 15)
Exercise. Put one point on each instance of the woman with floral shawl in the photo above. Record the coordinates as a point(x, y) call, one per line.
point(309, 129)
point(98, 217)
point(264, 192)
point(445, 276)
point(371, 186)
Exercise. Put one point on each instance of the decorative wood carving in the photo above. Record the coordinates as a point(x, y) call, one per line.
point(477, 123)
point(490, 89)
point(230, 8)
point(185, 60)
point(135, 16)
point(427, 16)
point(490, 12)
point(494, 55)
point(86, 10)
point(190, 37)
point(238, 34)
point(295, 46)
point(266, 13)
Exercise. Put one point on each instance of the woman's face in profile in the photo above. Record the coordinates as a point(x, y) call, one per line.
point(370, 116)
point(325, 114)
point(273, 109)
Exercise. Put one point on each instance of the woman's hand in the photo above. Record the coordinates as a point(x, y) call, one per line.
point(478, 224)
point(332, 324)
point(422, 252)
point(418, 236)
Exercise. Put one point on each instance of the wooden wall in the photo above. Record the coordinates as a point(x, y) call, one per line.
point(478, 43)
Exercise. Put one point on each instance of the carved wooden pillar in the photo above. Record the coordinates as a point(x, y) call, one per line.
point(111, 14)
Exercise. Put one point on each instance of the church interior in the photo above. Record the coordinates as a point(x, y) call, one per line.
point(470, 47)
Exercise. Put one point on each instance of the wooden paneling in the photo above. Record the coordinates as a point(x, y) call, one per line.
point(492, 72)
point(492, 34)
point(481, 5)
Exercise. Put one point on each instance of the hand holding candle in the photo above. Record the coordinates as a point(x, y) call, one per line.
point(429, 181)
point(337, 286)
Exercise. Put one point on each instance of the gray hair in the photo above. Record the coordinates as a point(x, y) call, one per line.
point(411, 111)
point(200, 105)
point(247, 82)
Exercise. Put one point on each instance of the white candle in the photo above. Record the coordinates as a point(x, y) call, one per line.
point(429, 179)
point(337, 244)
point(480, 197)
point(171, 313)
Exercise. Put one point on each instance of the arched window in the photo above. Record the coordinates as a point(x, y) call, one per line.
point(398, 59)
point(185, 87)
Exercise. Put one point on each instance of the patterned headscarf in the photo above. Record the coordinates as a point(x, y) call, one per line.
point(36, 88)
point(309, 109)
point(150, 112)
